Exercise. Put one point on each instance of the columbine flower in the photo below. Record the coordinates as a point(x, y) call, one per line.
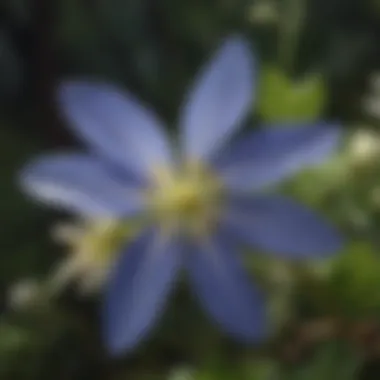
point(199, 204)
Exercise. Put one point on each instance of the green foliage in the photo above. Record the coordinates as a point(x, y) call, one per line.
point(154, 48)
point(11, 67)
point(331, 361)
point(354, 276)
point(24, 238)
point(283, 99)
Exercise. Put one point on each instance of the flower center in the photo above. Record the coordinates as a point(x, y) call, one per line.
point(187, 200)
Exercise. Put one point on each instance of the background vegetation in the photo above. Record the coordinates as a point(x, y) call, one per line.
point(319, 60)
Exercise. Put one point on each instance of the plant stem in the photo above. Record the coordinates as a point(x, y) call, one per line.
point(289, 32)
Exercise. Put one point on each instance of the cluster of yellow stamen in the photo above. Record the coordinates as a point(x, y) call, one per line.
point(96, 240)
point(188, 200)
point(93, 247)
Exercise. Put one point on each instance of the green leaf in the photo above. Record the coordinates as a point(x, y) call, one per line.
point(282, 99)
point(332, 361)
point(261, 369)
point(355, 279)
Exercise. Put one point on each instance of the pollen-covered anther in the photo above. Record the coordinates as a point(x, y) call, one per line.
point(187, 199)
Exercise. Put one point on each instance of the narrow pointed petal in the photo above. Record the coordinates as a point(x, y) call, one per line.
point(270, 155)
point(139, 286)
point(220, 99)
point(225, 291)
point(115, 124)
point(283, 227)
point(81, 184)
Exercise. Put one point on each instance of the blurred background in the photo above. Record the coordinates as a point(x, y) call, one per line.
point(319, 59)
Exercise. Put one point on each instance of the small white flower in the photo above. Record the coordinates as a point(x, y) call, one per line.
point(364, 146)
point(182, 373)
point(24, 294)
point(263, 12)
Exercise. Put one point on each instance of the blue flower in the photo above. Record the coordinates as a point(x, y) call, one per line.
point(199, 204)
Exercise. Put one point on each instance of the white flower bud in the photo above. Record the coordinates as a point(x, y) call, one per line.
point(24, 294)
point(263, 12)
point(364, 146)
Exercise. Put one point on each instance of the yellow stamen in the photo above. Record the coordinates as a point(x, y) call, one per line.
point(188, 199)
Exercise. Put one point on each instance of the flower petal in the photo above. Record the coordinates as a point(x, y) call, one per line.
point(219, 100)
point(79, 183)
point(115, 124)
point(265, 157)
point(139, 286)
point(225, 290)
point(282, 226)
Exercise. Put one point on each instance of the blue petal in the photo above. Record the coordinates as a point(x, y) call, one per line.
point(225, 290)
point(116, 125)
point(138, 289)
point(265, 157)
point(81, 184)
point(219, 100)
point(279, 225)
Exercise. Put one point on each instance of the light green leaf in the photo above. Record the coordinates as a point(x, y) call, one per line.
point(282, 99)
